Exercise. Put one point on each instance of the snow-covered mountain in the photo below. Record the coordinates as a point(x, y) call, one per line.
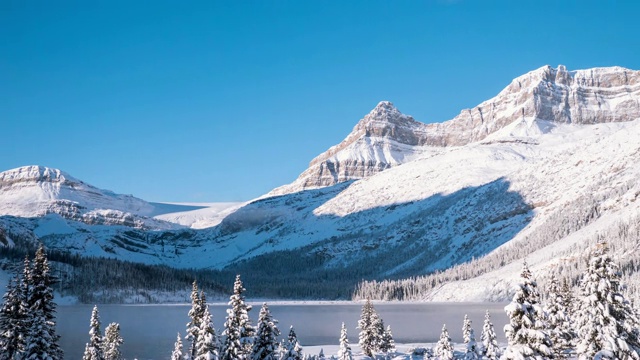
point(385, 137)
point(534, 168)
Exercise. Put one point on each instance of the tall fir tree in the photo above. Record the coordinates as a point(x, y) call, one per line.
point(444, 347)
point(207, 344)
point(291, 349)
point(112, 342)
point(490, 348)
point(93, 349)
point(265, 346)
point(42, 339)
point(344, 353)
point(387, 345)
point(466, 329)
point(608, 327)
point(11, 332)
point(177, 353)
point(526, 335)
point(237, 329)
point(558, 324)
point(471, 352)
point(369, 329)
point(198, 303)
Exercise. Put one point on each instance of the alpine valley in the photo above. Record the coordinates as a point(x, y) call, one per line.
point(445, 211)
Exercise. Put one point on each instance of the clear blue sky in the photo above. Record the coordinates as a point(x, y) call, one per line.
point(225, 100)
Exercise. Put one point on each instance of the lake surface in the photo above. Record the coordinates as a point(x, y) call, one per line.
point(149, 331)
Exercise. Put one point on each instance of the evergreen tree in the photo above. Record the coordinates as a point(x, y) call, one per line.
point(526, 338)
point(490, 348)
point(559, 327)
point(237, 328)
point(112, 342)
point(607, 325)
point(345, 350)
point(471, 347)
point(93, 350)
point(291, 349)
point(568, 300)
point(369, 329)
point(11, 332)
point(444, 347)
point(265, 346)
point(321, 355)
point(198, 303)
point(387, 344)
point(466, 329)
point(207, 344)
point(177, 350)
point(42, 340)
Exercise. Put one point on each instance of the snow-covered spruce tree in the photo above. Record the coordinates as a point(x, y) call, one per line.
point(177, 354)
point(237, 328)
point(112, 342)
point(387, 345)
point(466, 329)
point(93, 350)
point(526, 335)
point(568, 300)
point(471, 352)
point(198, 303)
point(444, 347)
point(558, 325)
point(321, 355)
point(207, 344)
point(291, 349)
point(265, 345)
point(490, 348)
point(607, 325)
point(369, 329)
point(42, 339)
point(344, 353)
point(11, 332)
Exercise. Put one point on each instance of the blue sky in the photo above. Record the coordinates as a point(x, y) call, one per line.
point(225, 100)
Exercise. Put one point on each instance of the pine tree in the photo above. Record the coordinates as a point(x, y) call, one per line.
point(490, 348)
point(444, 347)
point(237, 328)
point(177, 349)
point(291, 349)
point(265, 346)
point(321, 355)
point(345, 350)
point(387, 345)
point(42, 340)
point(11, 338)
point(607, 325)
point(526, 338)
point(369, 329)
point(466, 329)
point(471, 347)
point(559, 327)
point(93, 350)
point(112, 342)
point(198, 303)
point(207, 344)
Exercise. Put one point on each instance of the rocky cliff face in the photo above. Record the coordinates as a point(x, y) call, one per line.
point(385, 137)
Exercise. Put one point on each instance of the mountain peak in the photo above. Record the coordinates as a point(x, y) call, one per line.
point(35, 173)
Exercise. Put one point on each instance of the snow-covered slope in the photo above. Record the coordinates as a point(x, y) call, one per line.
point(550, 156)
point(36, 191)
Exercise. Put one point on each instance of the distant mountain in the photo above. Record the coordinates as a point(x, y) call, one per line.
point(550, 160)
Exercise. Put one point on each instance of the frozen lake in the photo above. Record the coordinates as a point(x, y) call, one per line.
point(149, 331)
